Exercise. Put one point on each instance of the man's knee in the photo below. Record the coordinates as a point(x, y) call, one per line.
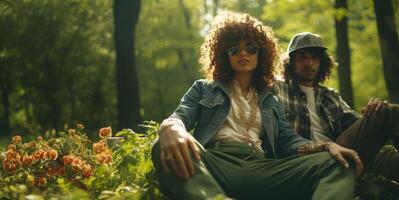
point(386, 112)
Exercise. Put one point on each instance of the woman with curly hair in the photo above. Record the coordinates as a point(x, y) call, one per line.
point(242, 146)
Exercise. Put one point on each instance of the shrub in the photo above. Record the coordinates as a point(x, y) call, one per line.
point(70, 166)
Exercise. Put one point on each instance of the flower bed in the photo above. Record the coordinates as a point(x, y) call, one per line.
point(69, 165)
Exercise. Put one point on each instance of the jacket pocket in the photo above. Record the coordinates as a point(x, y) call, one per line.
point(209, 107)
point(211, 101)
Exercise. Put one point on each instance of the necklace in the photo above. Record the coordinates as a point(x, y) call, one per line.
point(239, 114)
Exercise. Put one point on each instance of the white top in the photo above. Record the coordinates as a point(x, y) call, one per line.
point(317, 131)
point(233, 130)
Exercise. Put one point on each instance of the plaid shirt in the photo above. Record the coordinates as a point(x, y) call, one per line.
point(335, 115)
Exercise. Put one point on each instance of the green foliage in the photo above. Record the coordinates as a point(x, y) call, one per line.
point(253, 7)
point(167, 42)
point(371, 186)
point(130, 175)
point(57, 57)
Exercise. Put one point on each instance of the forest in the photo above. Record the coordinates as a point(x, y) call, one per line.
point(59, 58)
point(126, 64)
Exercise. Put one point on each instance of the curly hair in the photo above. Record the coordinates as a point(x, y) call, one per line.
point(326, 64)
point(230, 28)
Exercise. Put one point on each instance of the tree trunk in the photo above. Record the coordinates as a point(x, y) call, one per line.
point(5, 95)
point(126, 14)
point(389, 45)
point(5, 90)
point(343, 53)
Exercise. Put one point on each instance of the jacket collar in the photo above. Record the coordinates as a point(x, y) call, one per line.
point(222, 86)
point(264, 94)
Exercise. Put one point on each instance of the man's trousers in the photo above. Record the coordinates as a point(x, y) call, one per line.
point(368, 134)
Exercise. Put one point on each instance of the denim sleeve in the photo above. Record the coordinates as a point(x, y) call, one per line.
point(288, 140)
point(188, 109)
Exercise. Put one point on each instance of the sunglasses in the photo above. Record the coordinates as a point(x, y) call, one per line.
point(251, 49)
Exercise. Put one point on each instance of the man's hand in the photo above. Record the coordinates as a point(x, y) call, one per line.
point(373, 105)
point(340, 153)
point(175, 145)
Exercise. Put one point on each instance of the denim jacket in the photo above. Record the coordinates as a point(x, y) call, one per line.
point(205, 107)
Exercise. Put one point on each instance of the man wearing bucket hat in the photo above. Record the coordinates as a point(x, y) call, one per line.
point(320, 114)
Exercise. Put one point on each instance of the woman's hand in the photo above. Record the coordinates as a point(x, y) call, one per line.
point(176, 143)
point(340, 153)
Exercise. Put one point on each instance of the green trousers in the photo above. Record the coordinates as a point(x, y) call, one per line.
point(237, 170)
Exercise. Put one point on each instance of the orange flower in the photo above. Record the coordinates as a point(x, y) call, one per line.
point(77, 161)
point(45, 155)
point(67, 159)
point(52, 154)
point(11, 154)
point(76, 167)
point(39, 154)
point(87, 171)
point(104, 158)
point(12, 147)
point(16, 139)
point(9, 165)
point(100, 147)
point(105, 132)
point(27, 160)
